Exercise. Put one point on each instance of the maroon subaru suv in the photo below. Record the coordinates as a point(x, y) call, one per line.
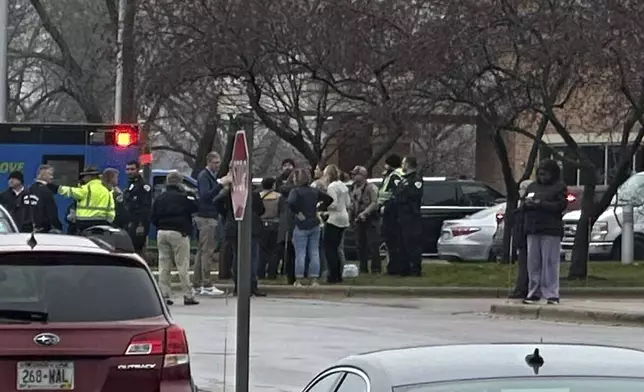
point(75, 315)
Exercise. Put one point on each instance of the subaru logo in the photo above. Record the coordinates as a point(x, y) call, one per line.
point(46, 339)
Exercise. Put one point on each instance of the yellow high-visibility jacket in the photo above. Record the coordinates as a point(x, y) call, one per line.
point(94, 201)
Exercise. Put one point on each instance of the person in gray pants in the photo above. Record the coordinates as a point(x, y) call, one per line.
point(544, 204)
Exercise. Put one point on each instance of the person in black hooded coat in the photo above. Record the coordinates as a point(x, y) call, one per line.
point(224, 205)
point(544, 204)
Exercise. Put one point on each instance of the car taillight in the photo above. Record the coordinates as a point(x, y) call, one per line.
point(571, 198)
point(170, 342)
point(459, 231)
point(499, 217)
point(124, 136)
point(150, 343)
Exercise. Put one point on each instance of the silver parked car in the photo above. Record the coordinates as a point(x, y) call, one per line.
point(470, 238)
point(488, 368)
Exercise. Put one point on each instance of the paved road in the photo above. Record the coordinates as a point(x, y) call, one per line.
point(292, 339)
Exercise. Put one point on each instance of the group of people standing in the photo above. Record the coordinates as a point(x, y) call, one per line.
point(306, 219)
point(97, 200)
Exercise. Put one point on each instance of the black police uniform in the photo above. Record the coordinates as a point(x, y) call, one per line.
point(389, 228)
point(173, 210)
point(407, 198)
point(38, 210)
point(137, 199)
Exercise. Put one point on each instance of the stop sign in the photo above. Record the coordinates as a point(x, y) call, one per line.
point(241, 175)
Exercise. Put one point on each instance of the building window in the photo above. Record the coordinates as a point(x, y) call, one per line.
point(604, 157)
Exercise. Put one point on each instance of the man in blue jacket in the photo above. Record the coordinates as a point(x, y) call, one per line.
point(206, 220)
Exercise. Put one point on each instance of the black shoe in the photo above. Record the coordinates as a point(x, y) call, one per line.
point(553, 301)
point(531, 300)
point(169, 302)
point(257, 293)
point(190, 301)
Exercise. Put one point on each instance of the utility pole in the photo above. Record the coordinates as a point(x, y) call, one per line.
point(4, 49)
point(118, 91)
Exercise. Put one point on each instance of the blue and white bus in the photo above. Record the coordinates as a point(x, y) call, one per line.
point(68, 148)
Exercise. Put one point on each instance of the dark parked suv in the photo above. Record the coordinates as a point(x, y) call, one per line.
point(443, 199)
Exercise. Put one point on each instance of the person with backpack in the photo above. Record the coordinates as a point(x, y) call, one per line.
point(269, 251)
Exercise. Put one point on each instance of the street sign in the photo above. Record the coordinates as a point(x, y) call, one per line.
point(241, 175)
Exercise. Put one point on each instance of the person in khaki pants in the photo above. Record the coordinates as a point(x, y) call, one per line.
point(172, 215)
point(206, 220)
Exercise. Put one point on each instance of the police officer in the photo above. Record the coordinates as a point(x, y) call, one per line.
point(95, 199)
point(137, 200)
point(407, 198)
point(392, 177)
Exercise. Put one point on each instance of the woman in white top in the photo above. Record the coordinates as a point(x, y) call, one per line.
point(337, 221)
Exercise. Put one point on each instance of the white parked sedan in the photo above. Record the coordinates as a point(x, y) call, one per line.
point(470, 238)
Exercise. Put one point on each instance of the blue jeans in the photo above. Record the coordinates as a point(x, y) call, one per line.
point(307, 243)
point(254, 261)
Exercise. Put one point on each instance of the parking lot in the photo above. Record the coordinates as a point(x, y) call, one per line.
point(292, 339)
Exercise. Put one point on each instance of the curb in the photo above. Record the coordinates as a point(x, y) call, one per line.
point(428, 292)
point(557, 313)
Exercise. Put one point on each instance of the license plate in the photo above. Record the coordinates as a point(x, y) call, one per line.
point(57, 376)
point(568, 256)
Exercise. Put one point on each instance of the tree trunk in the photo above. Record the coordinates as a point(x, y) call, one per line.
point(228, 153)
point(579, 264)
point(206, 143)
point(512, 192)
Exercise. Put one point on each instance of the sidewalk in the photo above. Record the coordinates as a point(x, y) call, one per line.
point(615, 312)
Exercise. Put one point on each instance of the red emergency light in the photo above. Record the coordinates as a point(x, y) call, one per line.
point(125, 136)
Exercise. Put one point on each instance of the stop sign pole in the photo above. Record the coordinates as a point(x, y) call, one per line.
point(242, 210)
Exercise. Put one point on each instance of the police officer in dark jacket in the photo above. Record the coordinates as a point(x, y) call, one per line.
point(408, 197)
point(137, 200)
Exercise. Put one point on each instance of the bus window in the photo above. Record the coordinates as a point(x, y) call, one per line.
point(67, 168)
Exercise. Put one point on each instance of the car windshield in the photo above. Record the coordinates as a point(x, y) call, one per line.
point(488, 211)
point(532, 384)
point(631, 191)
point(76, 287)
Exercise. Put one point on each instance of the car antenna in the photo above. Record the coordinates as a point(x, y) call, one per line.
point(31, 242)
point(534, 360)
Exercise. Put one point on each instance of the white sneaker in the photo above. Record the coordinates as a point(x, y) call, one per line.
point(211, 291)
point(297, 284)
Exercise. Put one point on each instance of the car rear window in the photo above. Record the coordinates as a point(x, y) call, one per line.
point(77, 287)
